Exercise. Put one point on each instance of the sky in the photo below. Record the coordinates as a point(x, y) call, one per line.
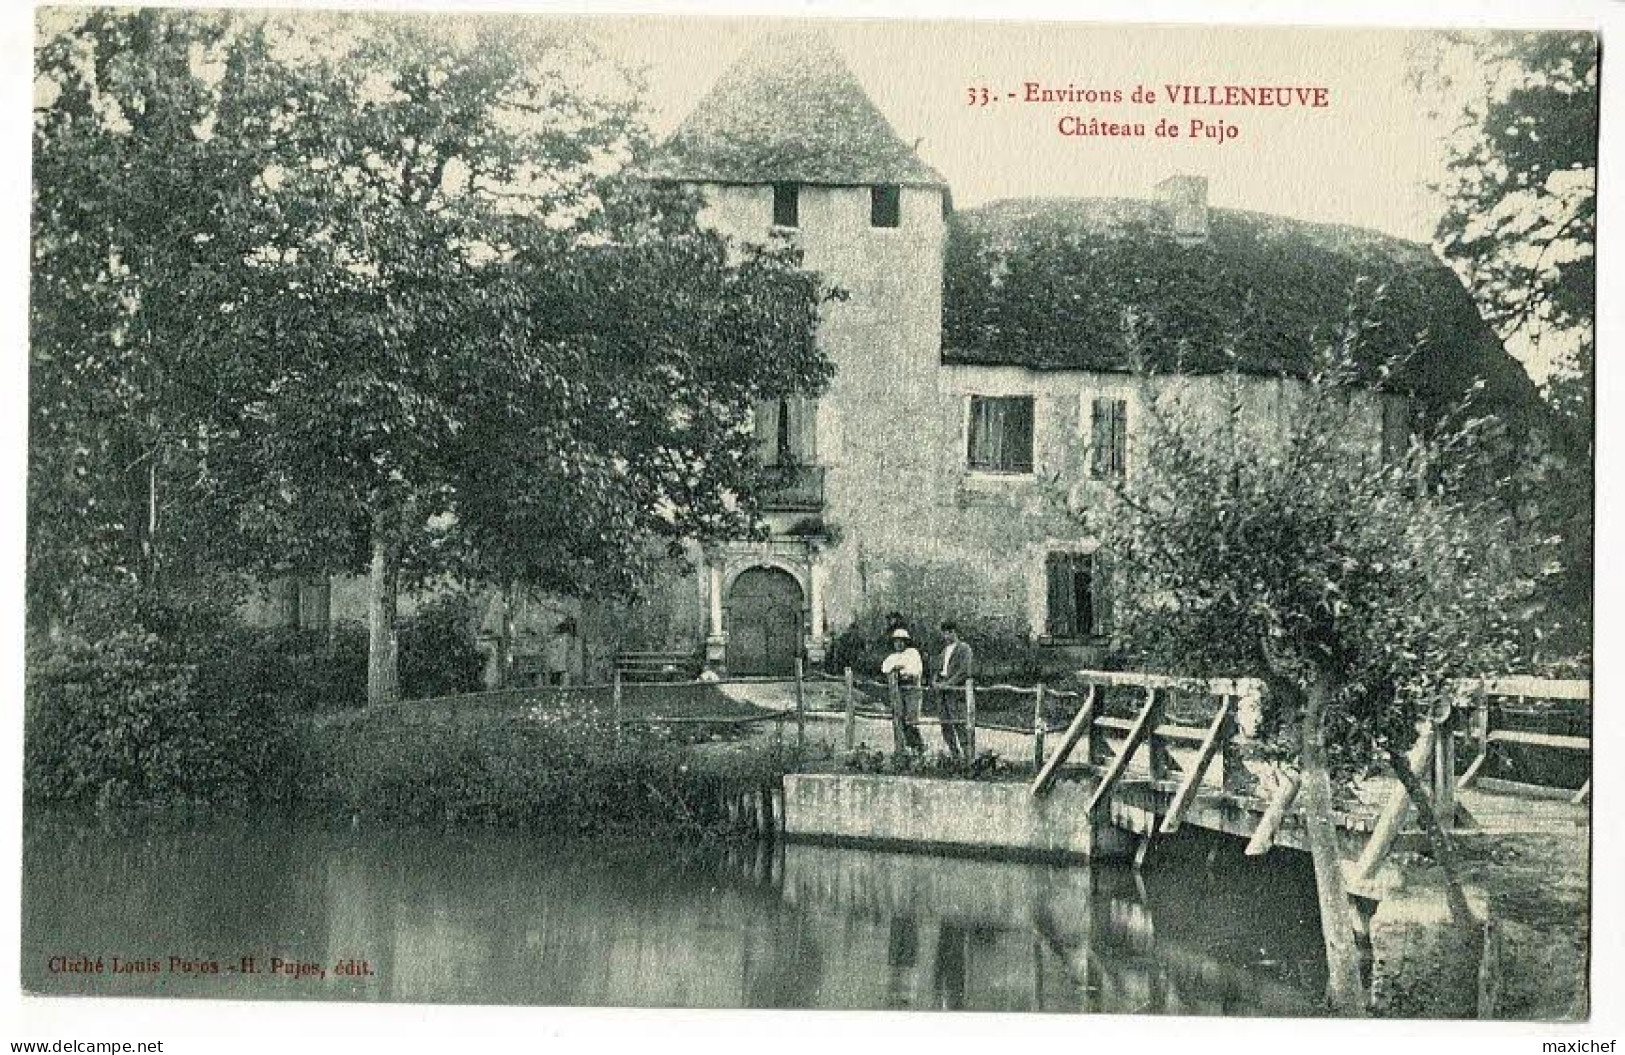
point(1365, 159)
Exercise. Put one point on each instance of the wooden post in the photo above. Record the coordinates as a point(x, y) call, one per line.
point(851, 713)
point(970, 717)
point(899, 738)
point(1481, 737)
point(615, 704)
point(1099, 753)
point(1159, 763)
point(801, 707)
point(1444, 771)
point(1040, 727)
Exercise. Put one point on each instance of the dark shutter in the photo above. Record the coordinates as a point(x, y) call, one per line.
point(1109, 436)
point(285, 602)
point(786, 205)
point(767, 431)
point(1100, 438)
point(786, 444)
point(315, 602)
point(1100, 566)
point(1018, 435)
point(885, 205)
point(1059, 618)
point(1119, 436)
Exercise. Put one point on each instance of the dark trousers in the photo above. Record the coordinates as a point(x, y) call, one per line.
point(951, 708)
point(909, 696)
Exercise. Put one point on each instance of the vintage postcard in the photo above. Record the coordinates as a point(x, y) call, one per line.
point(698, 512)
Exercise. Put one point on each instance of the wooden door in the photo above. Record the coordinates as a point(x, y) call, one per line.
point(764, 623)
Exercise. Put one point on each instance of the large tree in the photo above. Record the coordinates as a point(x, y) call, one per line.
point(432, 326)
point(1288, 550)
point(138, 223)
point(1518, 224)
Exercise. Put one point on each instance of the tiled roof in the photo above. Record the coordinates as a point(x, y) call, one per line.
point(789, 111)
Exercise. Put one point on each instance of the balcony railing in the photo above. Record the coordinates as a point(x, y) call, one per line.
point(794, 487)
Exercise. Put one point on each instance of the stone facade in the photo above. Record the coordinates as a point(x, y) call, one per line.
point(903, 514)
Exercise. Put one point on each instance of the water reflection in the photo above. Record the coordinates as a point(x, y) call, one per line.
point(502, 919)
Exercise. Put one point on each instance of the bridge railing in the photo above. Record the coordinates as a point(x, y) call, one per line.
point(1480, 710)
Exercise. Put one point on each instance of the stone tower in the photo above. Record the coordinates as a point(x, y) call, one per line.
point(788, 143)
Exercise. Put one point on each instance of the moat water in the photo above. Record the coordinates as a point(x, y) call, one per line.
point(281, 912)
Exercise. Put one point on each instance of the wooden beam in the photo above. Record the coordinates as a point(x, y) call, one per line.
point(1080, 726)
point(1520, 736)
point(1469, 778)
point(1222, 729)
point(1532, 688)
point(1395, 812)
point(1270, 824)
point(1143, 726)
point(1583, 794)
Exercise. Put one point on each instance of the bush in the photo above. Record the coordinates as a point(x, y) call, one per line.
point(545, 772)
point(438, 653)
point(131, 721)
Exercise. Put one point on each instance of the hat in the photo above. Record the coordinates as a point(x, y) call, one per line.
point(899, 634)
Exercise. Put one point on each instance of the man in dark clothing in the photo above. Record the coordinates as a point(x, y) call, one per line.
point(957, 667)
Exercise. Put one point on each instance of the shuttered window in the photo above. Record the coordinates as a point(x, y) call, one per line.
point(1079, 595)
point(1109, 439)
point(1000, 436)
point(786, 431)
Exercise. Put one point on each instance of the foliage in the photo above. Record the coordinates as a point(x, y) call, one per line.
point(1520, 190)
point(134, 721)
point(926, 593)
point(550, 773)
point(527, 363)
point(987, 765)
point(1309, 562)
point(1519, 226)
point(439, 656)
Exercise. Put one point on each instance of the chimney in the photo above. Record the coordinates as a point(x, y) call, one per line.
point(1185, 198)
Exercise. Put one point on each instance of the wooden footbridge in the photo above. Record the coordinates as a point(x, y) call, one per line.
point(1173, 752)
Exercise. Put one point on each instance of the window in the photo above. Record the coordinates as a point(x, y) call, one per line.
point(1396, 428)
point(1000, 436)
point(1079, 594)
point(785, 431)
point(885, 205)
point(1109, 439)
point(786, 205)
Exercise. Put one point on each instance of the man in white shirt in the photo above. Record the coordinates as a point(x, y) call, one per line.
point(905, 661)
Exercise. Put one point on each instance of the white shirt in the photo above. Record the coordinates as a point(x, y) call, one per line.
point(948, 654)
point(906, 663)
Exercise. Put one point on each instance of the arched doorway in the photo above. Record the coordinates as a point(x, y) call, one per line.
point(764, 622)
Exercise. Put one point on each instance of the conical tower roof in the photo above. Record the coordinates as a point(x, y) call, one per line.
point(789, 111)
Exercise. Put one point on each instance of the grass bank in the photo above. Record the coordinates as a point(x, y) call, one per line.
point(1535, 888)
